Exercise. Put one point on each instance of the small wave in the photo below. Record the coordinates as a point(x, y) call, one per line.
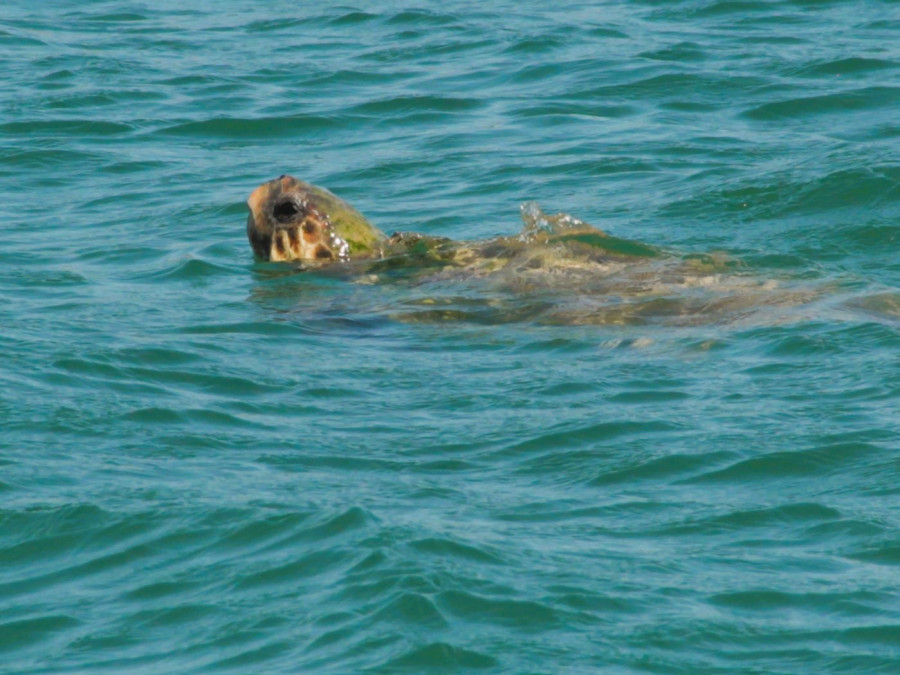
point(554, 512)
point(785, 195)
point(682, 52)
point(884, 554)
point(853, 65)
point(161, 589)
point(193, 270)
point(131, 166)
point(299, 568)
point(605, 32)
point(539, 45)
point(280, 24)
point(439, 656)
point(197, 417)
point(571, 109)
point(692, 86)
point(101, 99)
point(801, 522)
point(411, 609)
point(19, 40)
point(52, 278)
point(742, 8)
point(884, 635)
point(875, 237)
point(347, 77)
point(193, 79)
point(421, 17)
point(118, 17)
point(310, 462)
point(453, 549)
point(89, 546)
point(774, 602)
point(866, 98)
point(23, 633)
point(67, 128)
point(258, 127)
point(669, 468)
point(262, 328)
point(817, 461)
point(499, 611)
point(413, 104)
point(590, 435)
point(353, 18)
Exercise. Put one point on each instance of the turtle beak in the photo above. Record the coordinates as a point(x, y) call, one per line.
point(259, 227)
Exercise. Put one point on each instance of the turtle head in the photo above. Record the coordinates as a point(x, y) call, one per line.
point(293, 220)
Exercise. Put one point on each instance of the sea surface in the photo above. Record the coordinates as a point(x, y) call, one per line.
point(212, 464)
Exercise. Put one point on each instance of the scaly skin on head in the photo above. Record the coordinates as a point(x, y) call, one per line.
point(293, 220)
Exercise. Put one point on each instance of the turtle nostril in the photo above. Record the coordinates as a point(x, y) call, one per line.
point(285, 211)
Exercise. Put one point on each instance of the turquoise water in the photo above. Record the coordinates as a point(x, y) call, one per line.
point(212, 464)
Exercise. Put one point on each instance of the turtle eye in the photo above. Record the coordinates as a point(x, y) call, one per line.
point(285, 210)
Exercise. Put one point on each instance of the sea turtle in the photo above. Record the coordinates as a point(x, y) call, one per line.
point(580, 273)
point(291, 220)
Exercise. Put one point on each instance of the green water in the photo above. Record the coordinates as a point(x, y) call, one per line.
point(214, 464)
